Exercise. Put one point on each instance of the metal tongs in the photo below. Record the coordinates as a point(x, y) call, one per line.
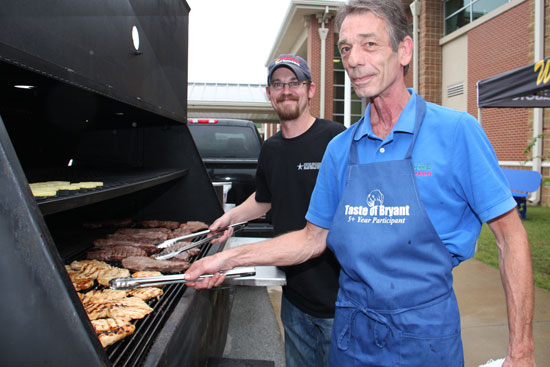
point(236, 227)
point(131, 283)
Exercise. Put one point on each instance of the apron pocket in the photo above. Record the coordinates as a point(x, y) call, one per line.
point(430, 351)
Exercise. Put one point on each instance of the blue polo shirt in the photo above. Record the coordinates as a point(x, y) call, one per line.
point(458, 177)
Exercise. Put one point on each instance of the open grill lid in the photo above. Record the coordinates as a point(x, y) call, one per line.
point(134, 51)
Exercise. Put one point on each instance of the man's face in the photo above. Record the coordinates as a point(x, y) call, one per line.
point(289, 103)
point(372, 66)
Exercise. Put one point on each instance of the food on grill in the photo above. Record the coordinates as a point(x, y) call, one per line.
point(111, 330)
point(68, 189)
point(106, 276)
point(79, 280)
point(129, 307)
point(160, 224)
point(116, 253)
point(146, 245)
point(181, 231)
point(90, 185)
point(144, 232)
point(79, 264)
point(139, 274)
point(102, 296)
point(149, 239)
point(142, 263)
point(43, 192)
point(145, 293)
point(194, 226)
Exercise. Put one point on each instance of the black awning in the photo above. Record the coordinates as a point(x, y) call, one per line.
point(527, 87)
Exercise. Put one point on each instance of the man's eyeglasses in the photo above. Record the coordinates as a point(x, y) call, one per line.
point(292, 85)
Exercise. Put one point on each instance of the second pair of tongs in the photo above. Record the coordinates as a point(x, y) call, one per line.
point(218, 233)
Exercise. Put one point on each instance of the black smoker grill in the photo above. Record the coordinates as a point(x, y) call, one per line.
point(108, 103)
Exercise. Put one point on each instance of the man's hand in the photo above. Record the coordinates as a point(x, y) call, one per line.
point(223, 221)
point(208, 265)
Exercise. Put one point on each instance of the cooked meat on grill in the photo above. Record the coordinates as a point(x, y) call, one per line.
point(145, 293)
point(106, 276)
point(139, 274)
point(130, 307)
point(181, 231)
point(170, 224)
point(78, 264)
point(116, 253)
point(142, 263)
point(144, 232)
point(110, 330)
point(114, 223)
point(79, 280)
point(102, 296)
point(105, 243)
point(194, 226)
point(148, 239)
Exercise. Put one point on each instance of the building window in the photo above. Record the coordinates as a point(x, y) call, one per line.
point(339, 81)
point(459, 13)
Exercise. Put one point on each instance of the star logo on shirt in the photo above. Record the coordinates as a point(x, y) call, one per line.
point(300, 167)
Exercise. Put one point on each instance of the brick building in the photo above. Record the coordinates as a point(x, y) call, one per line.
point(458, 43)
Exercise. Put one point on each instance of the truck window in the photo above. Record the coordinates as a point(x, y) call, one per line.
point(225, 141)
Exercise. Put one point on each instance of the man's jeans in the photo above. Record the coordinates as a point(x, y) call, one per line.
point(307, 338)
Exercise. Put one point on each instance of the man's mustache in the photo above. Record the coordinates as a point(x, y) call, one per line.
point(287, 97)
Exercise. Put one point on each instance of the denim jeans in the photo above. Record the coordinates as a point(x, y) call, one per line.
point(307, 338)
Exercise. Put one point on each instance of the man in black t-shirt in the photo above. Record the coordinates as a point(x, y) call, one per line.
point(287, 170)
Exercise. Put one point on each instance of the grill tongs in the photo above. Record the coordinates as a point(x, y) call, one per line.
point(131, 283)
point(215, 234)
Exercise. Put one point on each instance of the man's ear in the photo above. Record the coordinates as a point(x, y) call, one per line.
point(405, 51)
point(311, 91)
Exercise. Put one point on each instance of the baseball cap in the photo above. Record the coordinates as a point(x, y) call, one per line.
point(295, 63)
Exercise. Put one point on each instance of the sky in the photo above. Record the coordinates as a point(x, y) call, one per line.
point(230, 40)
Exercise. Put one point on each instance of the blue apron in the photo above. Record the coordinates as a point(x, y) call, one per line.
point(396, 305)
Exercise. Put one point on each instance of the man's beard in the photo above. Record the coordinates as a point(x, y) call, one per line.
point(288, 112)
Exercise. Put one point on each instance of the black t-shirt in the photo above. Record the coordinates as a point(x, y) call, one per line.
point(286, 175)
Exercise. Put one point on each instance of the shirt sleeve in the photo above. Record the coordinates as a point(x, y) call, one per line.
point(326, 194)
point(478, 175)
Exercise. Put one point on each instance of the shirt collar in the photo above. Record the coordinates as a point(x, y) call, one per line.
point(404, 124)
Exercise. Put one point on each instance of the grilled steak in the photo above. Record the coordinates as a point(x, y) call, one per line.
point(116, 253)
point(105, 243)
point(160, 224)
point(145, 232)
point(143, 263)
point(194, 226)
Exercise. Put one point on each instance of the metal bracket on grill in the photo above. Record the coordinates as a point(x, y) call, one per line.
point(131, 283)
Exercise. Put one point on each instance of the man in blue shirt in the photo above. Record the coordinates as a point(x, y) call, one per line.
point(399, 199)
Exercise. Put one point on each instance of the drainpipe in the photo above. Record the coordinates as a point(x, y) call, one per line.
point(537, 112)
point(415, 11)
point(323, 32)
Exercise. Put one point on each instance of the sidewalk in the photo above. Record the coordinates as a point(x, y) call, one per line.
point(483, 315)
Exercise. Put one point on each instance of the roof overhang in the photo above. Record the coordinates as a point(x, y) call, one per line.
point(292, 36)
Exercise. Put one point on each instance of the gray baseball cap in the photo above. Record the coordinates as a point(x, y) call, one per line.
point(295, 63)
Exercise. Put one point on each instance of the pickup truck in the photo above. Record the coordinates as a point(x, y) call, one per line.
point(229, 149)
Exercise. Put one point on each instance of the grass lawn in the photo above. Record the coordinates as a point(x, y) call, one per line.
point(537, 224)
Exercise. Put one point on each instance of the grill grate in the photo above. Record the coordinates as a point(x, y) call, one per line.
point(132, 350)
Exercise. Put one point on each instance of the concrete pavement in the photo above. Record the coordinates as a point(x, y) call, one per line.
point(483, 315)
